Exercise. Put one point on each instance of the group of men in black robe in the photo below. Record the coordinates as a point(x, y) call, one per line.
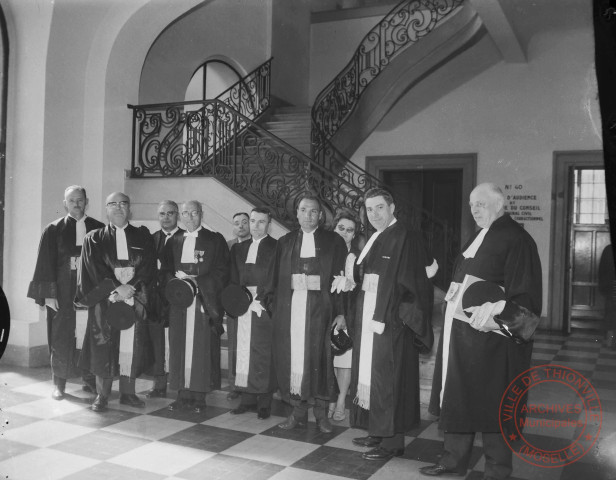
point(282, 341)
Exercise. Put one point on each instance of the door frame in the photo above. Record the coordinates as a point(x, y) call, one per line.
point(467, 162)
point(562, 164)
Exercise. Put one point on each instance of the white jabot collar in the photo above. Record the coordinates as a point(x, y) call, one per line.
point(371, 240)
point(308, 247)
point(471, 251)
point(251, 257)
point(194, 233)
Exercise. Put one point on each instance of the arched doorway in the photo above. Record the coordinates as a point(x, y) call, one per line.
point(211, 79)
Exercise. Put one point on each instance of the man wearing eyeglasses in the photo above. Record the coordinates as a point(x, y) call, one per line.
point(118, 266)
point(168, 213)
point(476, 360)
point(54, 283)
point(201, 257)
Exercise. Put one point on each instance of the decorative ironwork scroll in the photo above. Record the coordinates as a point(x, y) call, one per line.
point(216, 140)
point(402, 27)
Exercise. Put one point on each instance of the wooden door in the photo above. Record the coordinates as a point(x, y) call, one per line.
point(589, 235)
point(437, 192)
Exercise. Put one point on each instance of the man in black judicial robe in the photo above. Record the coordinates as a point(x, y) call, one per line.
point(392, 325)
point(53, 285)
point(118, 264)
point(255, 373)
point(194, 332)
point(241, 233)
point(304, 309)
point(474, 363)
point(158, 320)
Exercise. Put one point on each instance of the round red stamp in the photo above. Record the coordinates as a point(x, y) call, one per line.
point(550, 416)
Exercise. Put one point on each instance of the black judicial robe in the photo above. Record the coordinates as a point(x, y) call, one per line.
point(322, 307)
point(159, 304)
point(404, 301)
point(211, 268)
point(482, 364)
point(97, 280)
point(261, 373)
point(54, 278)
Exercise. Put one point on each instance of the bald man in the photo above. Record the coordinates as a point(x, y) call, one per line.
point(201, 257)
point(476, 360)
point(118, 265)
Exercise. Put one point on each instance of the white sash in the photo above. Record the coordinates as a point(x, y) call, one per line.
point(299, 299)
point(127, 337)
point(244, 326)
point(367, 339)
point(188, 341)
point(81, 325)
point(166, 366)
point(446, 337)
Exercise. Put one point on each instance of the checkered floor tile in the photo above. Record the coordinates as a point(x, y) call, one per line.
point(43, 438)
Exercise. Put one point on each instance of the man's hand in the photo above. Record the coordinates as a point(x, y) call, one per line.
point(256, 307)
point(180, 274)
point(339, 322)
point(124, 292)
point(483, 316)
point(52, 303)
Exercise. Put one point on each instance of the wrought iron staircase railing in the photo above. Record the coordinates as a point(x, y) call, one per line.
point(402, 27)
point(216, 140)
point(173, 139)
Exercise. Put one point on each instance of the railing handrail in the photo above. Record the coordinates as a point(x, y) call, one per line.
point(241, 81)
point(445, 10)
point(263, 132)
point(321, 138)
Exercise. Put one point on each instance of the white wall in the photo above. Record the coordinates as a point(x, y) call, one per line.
point(332, 44)
point(514, 117)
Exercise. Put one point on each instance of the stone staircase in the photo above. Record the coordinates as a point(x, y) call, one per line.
point(292, 125)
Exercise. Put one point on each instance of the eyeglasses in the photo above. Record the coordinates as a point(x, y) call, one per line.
point(341, 229)
point(167, 214)
point(122, 204)
point(194, 213)
point(477, 204)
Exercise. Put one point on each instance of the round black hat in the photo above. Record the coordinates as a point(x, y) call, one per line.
point(481, 292)
point(120, 315)
point(340, 341)
point(181, 291)
point(236, 299)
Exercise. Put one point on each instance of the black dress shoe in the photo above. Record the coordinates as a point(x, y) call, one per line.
point(263, 413)
point(100, 404)
point(438, 469)
point(324, 426)
point(380, 453)
point(131, 400)
point(243, 409)
point(58, 393)
point(369, 441)
point(178, 405)
point(199, 407)
point(156, 393)
point(291, 422)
